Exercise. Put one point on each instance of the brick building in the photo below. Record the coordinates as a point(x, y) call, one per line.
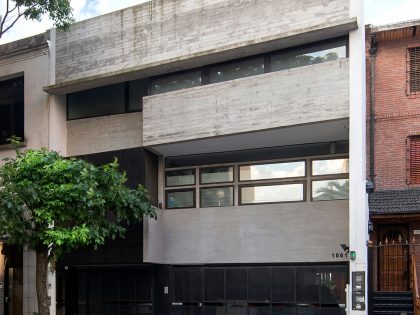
point(393, 101)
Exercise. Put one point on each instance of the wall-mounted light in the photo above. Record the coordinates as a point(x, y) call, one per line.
point(369, 187)
point(370, 227)
point(345, 247)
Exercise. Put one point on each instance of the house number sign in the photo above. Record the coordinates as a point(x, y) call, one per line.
point(339, 255)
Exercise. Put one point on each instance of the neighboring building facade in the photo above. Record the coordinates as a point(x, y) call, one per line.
point(393, 102)
point(24, 112)
point(242, 119)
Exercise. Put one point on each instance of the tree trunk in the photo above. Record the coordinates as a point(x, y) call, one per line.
point(41, 280)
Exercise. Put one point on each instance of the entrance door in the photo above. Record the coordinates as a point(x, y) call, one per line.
point(393, 258)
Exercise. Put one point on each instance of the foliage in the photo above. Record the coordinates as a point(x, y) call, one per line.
point(46, 200)
point(59, 11)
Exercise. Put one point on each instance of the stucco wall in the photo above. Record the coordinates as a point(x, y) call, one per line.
point(33, 65)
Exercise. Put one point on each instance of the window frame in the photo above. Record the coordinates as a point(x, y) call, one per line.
point(13, 122)
point(212, 187)
point(324, 159)
point(304, 193)
point(325, 179)
point(237, 184)
point(409, 92)
point(409, 174)
point(275, 179)
point(325, 176)
point(126, 101)
point(205, 70)
point(178, 186)
point(181, 190)
point(200, 171)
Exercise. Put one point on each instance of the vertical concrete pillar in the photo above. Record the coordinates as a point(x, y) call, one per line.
point(358, 208)
point(30, 302)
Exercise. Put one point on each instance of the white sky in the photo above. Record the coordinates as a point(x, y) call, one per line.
point(378, 12)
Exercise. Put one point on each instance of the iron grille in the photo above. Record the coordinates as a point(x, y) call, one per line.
point(414, 69)
point(413, 159)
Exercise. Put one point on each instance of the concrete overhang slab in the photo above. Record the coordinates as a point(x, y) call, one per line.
point(281, 40)
point(327, 131)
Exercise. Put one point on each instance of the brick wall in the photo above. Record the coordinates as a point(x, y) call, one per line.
point(397, 115)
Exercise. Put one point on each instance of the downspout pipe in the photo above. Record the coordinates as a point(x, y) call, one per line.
point(372, 52)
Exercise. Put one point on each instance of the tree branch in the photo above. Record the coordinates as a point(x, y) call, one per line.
point(4, 17)
point(20, 14)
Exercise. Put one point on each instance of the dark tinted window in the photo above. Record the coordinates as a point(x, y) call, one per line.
point(137, 90)
point(177, 81)
point(236, 69)
point(299, 57)
point(259, 284)
point(307, 285)
point(236, 284)
point(105, 100)
point(283, 284)
point(11, 109)
point(214, 284)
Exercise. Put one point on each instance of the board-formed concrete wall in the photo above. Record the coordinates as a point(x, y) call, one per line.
point(167, 31)
point(297, 96)
point(105, 133)
point(275, 233)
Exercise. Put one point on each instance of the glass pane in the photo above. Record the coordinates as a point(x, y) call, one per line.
point(180, 199)
point(137, 89)
point(193, 286)
point(273, 193)
point(333, 166)
point(283, 284)
point(235, 70)
point(259, 285)
point(105, 100)
point(333, 283)
point(216, 197)
point(214, 285)
point(216, 174)
point(332, 189)
point(236, 284)
point(175, 82)
point(11, 109)
point(308, 56)
point(180, 178)
point(178, 283)
point(272, 170)
point(307, 285)
point(5, 123)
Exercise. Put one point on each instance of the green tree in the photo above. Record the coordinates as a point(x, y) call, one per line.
point(59, 11)
point(54, 205)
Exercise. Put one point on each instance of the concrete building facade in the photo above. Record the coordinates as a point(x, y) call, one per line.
point(245, 120)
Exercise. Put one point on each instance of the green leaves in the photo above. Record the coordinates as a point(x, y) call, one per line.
point(65, 203)
point(59, 11)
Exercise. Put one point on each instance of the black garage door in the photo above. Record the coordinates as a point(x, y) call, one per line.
point(262, 290)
